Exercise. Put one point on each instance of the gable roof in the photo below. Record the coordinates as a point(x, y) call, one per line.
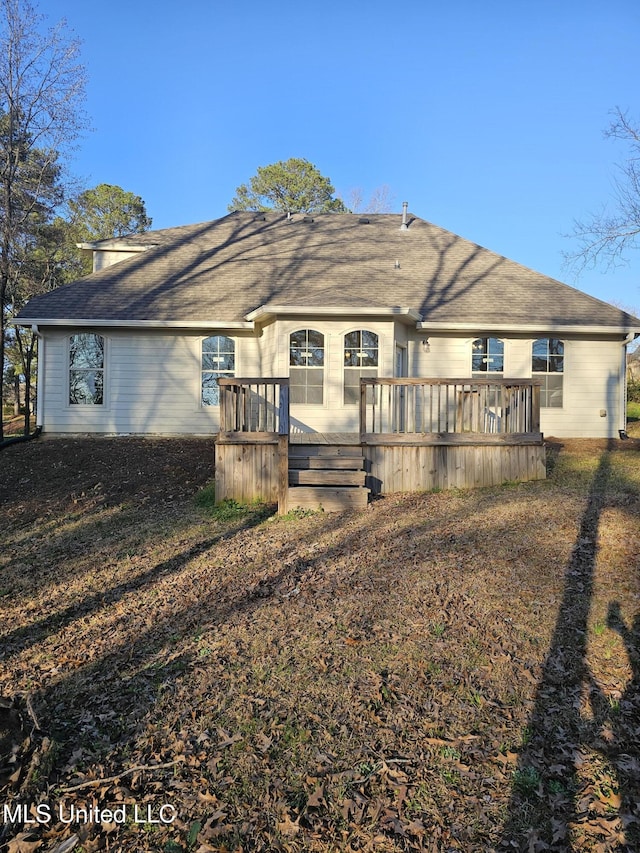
point(247, 265)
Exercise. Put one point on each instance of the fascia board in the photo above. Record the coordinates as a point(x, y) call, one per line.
point(266, 312)
point(115, 247)
point(560, 328)
point(136, 324)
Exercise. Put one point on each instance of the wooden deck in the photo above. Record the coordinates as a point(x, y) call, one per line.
point(477, 433)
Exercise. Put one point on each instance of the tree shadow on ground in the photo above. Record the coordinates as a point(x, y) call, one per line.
point(547, 803)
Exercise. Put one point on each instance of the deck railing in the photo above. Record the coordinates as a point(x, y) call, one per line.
point(255, 406)
point(254, 413)
point(406, 409)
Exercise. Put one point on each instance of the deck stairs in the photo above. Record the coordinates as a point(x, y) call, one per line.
point(331, 477)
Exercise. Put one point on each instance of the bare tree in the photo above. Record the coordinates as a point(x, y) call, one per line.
point(607, 236)
point(380, 201)
point(42, 86)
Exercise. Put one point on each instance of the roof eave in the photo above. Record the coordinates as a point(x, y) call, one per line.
point(108, 246)
point(135, 324)
point(529, 328)
point(271, 310)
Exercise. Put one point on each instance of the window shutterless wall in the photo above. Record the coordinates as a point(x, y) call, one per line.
point(87, 369)
point(333, 332)
point(152, 378)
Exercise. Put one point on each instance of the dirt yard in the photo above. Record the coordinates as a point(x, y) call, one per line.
point(445, 671)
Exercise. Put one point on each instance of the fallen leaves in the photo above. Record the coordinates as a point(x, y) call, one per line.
point(359, 683)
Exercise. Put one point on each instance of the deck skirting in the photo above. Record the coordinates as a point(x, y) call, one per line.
point(247, 472)
point(418, 467)
point(253, 470)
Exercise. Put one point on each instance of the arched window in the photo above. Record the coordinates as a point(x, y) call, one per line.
point(86, 369)
point(487, 356)
point(218, 359)
point(306, 367)
point(361, 359)
point(547, 365)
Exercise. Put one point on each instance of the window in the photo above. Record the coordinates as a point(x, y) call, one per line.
point(547, 365)
point(86, 369)
point(306, 367)
point(487, 356)
point(218, 359)
point(360, 361)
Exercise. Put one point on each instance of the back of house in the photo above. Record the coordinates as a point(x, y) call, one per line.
point(138, 346)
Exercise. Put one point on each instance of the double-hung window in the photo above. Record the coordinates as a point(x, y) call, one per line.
point(361, 359)
point(487, 357)
point(547, 365)
point(218, 359)
point(86, 369)
point(306, 367)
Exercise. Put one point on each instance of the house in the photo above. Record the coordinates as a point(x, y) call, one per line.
point(138, 346)
point(331, 304)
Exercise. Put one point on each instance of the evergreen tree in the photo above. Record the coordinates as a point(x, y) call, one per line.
point(292, 186)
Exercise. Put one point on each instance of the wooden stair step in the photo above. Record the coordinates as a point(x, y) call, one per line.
point(330, 499)
point(327, 478)
point(331, 450)
point(338, 463)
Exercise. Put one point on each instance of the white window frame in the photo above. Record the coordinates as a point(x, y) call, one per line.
point(368, 371)
point(488, 373)
point(210, 370)
point(545, 375)
point(103, 370)
point(319, 368)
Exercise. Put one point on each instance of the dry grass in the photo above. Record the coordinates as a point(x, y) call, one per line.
point(451, 671)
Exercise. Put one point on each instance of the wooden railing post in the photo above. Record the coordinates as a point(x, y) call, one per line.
point(283, 410)
point(363, 409)
point(283, 450)
point(535, 408)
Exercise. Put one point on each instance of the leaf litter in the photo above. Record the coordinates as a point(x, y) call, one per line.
point(368, 681)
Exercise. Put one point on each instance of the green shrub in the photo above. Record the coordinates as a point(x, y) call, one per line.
point(633, 390)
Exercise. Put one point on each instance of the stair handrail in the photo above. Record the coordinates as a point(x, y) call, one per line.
point(253, 405)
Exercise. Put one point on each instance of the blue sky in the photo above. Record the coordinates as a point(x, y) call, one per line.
point(487, 117)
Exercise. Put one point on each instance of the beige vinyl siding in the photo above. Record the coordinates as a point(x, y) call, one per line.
point(591, 381)
point(106, 258)
point(591, 386)
point(268, 363)
point(446, 358)
point(152, 385)
point(332, 415)
point(152, 378)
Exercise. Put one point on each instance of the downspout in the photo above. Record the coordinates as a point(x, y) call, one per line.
point(39, 378)
point(622, 432)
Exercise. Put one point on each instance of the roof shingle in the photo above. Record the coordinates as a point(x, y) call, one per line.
point(226, 268)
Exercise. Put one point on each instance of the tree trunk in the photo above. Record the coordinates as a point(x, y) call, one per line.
point(3, 292)
point(26, 349)
point(16, 394)
point(27, 385)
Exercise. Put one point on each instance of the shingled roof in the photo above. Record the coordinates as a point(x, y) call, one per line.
point(222, 271)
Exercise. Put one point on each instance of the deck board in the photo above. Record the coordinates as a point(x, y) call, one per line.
point(333, 438)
